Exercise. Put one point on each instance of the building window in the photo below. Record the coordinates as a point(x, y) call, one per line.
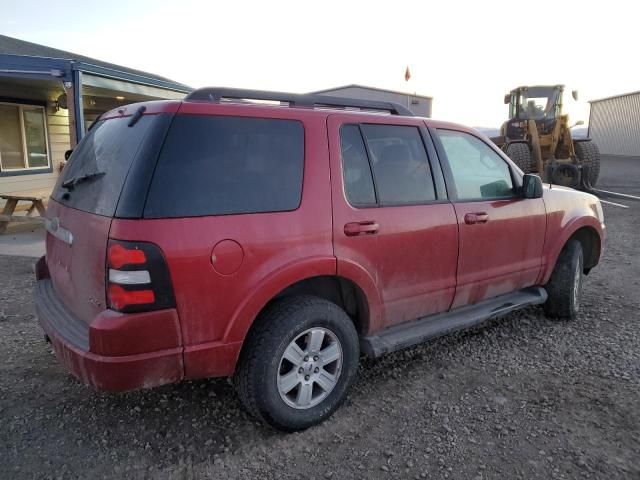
point(23, 138)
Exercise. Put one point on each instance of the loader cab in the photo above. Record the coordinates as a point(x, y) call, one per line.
point(535, 103)
point(543, 104)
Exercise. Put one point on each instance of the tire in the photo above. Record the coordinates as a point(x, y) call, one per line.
point(566, 174)
point(589, 155)
point(264, 372)
point(565, 285)
point(521, 156)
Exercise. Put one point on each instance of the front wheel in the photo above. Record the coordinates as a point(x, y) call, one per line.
point(565, 285)
point(298, 364)
point(521, 156)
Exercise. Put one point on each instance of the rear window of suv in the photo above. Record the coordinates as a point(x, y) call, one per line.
point(220, 165)
point(92, 181)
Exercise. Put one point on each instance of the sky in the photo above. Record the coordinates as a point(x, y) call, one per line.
point(466, 55)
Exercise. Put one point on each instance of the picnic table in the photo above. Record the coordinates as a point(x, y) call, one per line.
point(37, 204)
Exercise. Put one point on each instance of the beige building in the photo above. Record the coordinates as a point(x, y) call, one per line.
point(48, 98)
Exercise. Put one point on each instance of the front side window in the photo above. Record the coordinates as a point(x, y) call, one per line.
point(23, 138)
point(478, 172)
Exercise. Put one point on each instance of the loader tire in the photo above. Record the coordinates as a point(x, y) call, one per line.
point(589, 155)
point(521, 156)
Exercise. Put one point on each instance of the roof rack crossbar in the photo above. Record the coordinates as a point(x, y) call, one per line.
point(216, 94)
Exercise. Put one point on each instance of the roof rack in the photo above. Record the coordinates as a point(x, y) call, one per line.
point(215, 94)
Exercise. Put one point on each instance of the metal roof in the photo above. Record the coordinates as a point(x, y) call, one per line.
point(355, 85)
point(615, 96)
point(15, 46)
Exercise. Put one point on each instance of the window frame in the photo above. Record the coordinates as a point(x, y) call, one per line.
point(376, 197)
point(516, 180)
point(26, 170)
point(439, 187)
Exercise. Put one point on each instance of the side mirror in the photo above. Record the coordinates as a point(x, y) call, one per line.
point(531, 186)
point(507, 99)
point(574, 94)
point(67, 154)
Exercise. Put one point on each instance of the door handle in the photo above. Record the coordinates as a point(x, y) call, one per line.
point(476, 217)
point(361, 228)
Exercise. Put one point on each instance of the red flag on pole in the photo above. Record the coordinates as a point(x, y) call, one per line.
point(407, 74)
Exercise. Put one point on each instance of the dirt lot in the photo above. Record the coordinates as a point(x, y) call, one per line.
point(522, 397)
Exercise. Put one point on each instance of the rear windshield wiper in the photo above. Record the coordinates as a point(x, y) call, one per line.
point(72, 182)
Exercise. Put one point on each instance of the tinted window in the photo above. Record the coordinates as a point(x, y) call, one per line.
point(227, 165)
point(478, 171)
point(358, 182)
point(400, 164)
point(108, 150)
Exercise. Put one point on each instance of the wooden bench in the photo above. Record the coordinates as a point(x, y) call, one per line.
point(37, 203)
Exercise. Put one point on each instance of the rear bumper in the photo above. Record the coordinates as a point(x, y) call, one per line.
point(107, 353)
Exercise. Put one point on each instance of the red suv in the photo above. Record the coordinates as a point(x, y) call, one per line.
point(277, 242)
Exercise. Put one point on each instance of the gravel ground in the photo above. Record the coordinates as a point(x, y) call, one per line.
point(521, 397)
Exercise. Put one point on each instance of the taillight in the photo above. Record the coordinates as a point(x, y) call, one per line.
point(120, 299)
point(137, 277)
point(119, 255)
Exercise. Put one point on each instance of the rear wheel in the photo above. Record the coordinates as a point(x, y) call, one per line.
point(297, 366)
point(521, 156)
point(589, 155)
point(565, 285)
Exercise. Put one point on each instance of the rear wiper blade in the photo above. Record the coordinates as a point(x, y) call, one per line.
point(72, 182)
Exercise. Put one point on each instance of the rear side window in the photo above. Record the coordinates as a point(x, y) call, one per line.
point(93, 179)
point(400, 164)
point(217, 165)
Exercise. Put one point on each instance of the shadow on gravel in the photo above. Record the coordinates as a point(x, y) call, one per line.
point(201, 421)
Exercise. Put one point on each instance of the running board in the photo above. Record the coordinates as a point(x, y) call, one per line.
point(418, 331)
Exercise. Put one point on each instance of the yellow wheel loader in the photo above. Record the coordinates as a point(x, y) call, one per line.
point(537, 137)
